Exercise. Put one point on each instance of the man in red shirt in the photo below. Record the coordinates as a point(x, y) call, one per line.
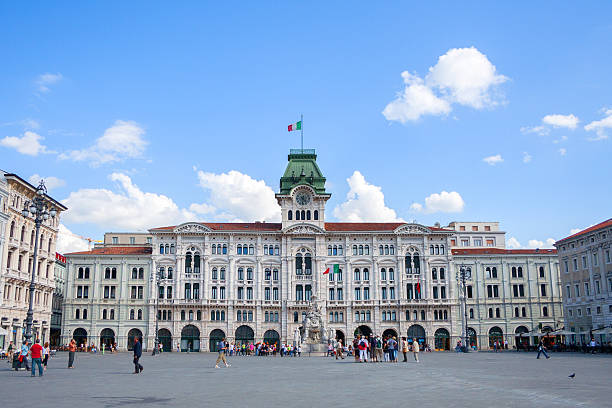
point(36, 353)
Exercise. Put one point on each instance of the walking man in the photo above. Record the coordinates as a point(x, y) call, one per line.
point(71, 353)
point(137, 354)
point(10, 353)
point(221, 347)
point(363, 349)
point(542, 350)
point(415, 349)
point(339, 350)
point(25, 349)
point(405, 349)
point(36, 353)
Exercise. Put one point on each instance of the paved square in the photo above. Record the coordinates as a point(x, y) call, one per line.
point(441, 379)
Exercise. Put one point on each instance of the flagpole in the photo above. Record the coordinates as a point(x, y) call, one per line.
point(302, 131)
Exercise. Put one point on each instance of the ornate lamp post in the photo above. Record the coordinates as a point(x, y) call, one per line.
point(159, 275)
point(40, 208)
point(463, 274)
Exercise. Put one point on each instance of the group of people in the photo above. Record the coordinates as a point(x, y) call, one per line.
point(262, 349)
point(375, 349)
point(37, 353)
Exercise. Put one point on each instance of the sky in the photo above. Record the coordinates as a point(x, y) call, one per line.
point(144, 114)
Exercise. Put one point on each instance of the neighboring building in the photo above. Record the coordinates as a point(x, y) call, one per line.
point(107, 295)
point(5, 329)
point(17, 263)
point(128, 238)
point(586, 275)
point(512, 292)
point(57, 302)
point(253, 281)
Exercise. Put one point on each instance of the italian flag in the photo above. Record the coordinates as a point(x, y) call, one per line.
point(336, 267)
point(295, 126)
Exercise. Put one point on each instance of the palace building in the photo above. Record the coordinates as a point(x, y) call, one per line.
point(252, 282)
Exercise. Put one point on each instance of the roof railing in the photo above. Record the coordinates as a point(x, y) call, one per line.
point(301, 151)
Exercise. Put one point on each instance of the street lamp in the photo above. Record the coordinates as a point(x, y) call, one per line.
point(463, 274)
point(159, 275)
point(40, 208)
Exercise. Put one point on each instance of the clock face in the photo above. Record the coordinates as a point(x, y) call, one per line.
point(302, 198)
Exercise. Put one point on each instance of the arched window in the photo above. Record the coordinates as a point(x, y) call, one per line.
point(299, 292)
point(169, 292)
point(212, 314)
point(104, 314)
point(494, 272)
point(112, 314)
point(383, 274)
point(303, 214)
point(139, 314)
point(357, 274)
point(297, 215)
point(514, 271)
point(523, 312)
point(214, 249)
point(434, 274)
point(367, 249)
point(249, 274)
point(442, 249)
point(497, 313)
point(431, 250)
point(417, 263)
point(172, 250)
point(442, 274)
point(381, 250)
point(188, 262)
point(167, 249)
point(520, 272)
point(354, 249)
point(545, 311)
point(196, 291)
point(298, 264)
point(196, 263)
point(182, 315)
point(215, 275)
point(422, 315)
point(366, 274)
point(290, 215)
point(239, 249)
point(77, 314)
point(131, 314)
point(435, 315)
point(316, 215)
point(408, 264)
point(140, 273)
point(267, 274)
point(161, 249)
point(329, 250)
point(445, 315)
point(224, 249)
point(222, 274)
point(308, 215)
point(360, 249)
point(49, 246)
point(188, 291)
point(191, 315)
point(516, 312)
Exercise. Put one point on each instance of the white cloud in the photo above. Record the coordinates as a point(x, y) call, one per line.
point(123, 140)
point(561, 139)
point(416, 100)
point(577, 230)
point(526, 157)
point(444, 202)
point(68, 242)
point(463, 76)
point(513, 243)
point(51, 182)
point(128, 208)
point(237, 197)
point(600, 126)
point(45, 80)
point(566, 121)
point(28, 144)
point(493, 160)
point(365, 202)
point(539, 130)
point(534, 243)
point(562, 151)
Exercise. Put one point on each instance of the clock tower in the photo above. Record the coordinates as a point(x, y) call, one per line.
point(302, 193)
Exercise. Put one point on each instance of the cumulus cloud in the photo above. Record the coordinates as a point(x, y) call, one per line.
point(45, 80)
point(534, 243)
point(69, 242)
point(513, 243)
point(463, 76)
point(444, 202)
point(127, 208)
point(365, 202)
point(538, 130)
point(560, 140)
point(562, 151)
point(123, 140)
point(526, 157)
point(600, 126)
point(28, 144)
point(493, 160)
point(566, 121)
point(236, 197)
point(51, 182)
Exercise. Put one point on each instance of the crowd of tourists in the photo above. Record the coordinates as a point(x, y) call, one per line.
point(263, 349)
point(377, 349)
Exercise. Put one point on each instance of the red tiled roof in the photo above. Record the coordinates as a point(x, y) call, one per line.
point(115, 251)
point(329, 226)
point(603, 224)
point(500, 251)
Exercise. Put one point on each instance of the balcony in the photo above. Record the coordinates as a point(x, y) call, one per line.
point(13, 242)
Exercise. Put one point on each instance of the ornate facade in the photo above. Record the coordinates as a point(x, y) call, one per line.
point(254, 281)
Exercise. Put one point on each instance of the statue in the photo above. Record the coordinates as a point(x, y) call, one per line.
point(313, 327)
point(296, 337)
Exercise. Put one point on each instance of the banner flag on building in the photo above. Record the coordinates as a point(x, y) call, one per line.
point(418, 287)
point(336, 268)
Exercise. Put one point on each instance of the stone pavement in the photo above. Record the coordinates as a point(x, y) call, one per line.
point(482, 379)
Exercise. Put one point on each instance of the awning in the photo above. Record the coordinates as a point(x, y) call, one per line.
point(562, 333)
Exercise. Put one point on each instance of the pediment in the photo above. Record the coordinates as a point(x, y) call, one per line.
point(191, 228)
point(303, 229)
point(412, 229)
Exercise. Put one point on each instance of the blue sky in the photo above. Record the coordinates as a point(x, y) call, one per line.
point(151, 114)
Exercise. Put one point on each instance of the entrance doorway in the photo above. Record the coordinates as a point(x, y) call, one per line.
point(340, 337)
point(363, 331)
point(389, 333)
point(442, 340)
point(80, 336)
point(244, 335)
point(472, 338)
point(190, 338)
point(107, 338)
point(132, 334)
point(213, 340)
point(496, 334)
point(521, 338)
point(271, 337)
point(416, 332)
point(165, 339)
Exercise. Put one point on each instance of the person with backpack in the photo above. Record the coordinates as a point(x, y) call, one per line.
point(221, 347)
point(363, 349)
point(392, 349)
point(378, 349)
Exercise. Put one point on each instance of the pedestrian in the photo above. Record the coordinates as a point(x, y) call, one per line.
point(71, 353)
point(137, 354)
point(23, 355)
point(415, 349)
point(36, 353)
point(542, 350)
point(221, 347)
point(46, 352)
point(393, 349)
point(356, 348)
point(405, 349)
point(495, 346)
point(378, 349)
point(10, 352)
point(506, 344)
point(339, 350)
point(363, 350)
point(178, 347)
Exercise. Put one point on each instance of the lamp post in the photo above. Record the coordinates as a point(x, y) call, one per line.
point(463, 274)
point(40, 208)
point(159, 275)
